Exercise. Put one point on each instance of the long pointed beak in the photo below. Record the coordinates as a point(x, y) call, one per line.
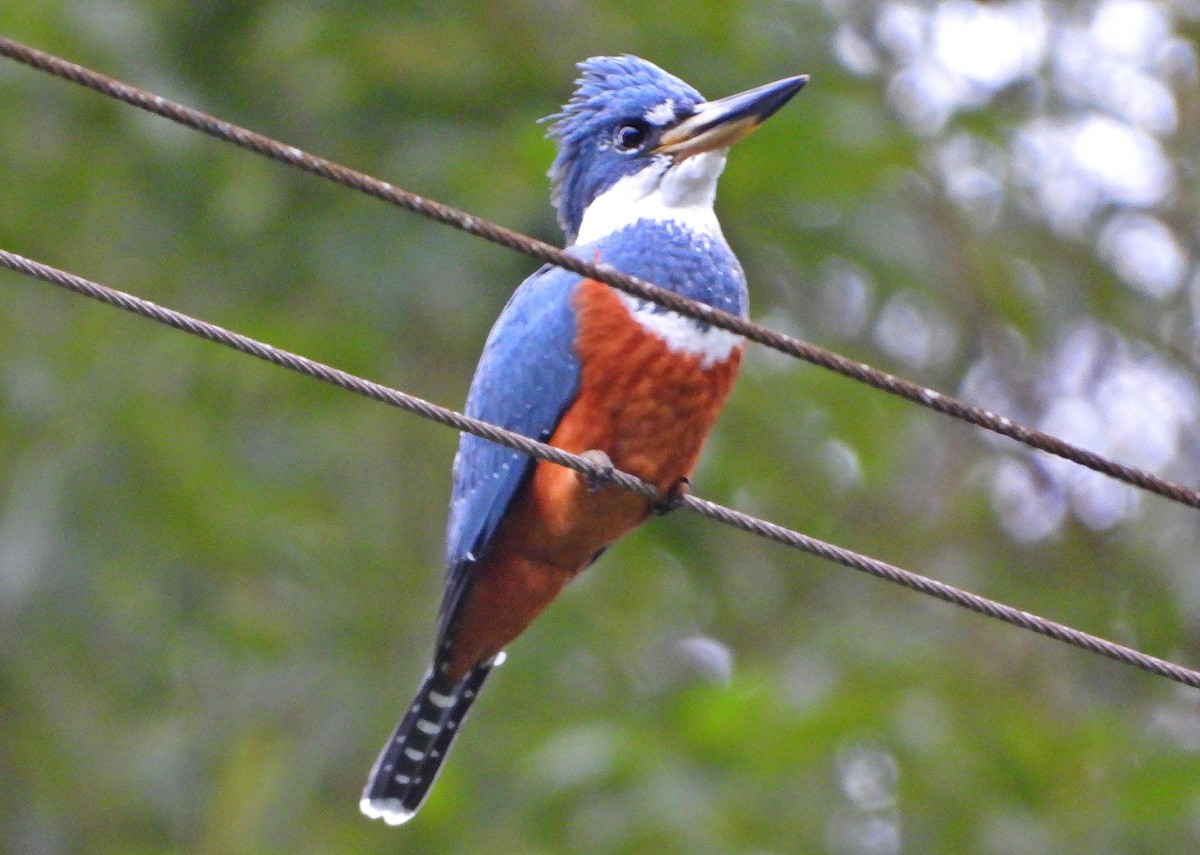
point(719, 124)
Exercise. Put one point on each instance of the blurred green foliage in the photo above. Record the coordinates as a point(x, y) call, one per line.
point(218, 580)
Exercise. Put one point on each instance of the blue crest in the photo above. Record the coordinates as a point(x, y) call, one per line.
point(615, 96)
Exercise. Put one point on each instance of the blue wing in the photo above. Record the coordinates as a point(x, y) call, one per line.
point(527, 377)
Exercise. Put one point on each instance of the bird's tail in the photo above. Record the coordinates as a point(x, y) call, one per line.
point(409, 763)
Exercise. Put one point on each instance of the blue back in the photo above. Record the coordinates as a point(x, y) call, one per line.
point(526, 378)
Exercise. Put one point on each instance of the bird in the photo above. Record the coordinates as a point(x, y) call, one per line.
point(573, 362)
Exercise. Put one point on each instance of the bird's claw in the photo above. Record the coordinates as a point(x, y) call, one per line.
point(601, 460)
point(672, 498)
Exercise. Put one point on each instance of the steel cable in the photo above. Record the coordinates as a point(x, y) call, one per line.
point(590, 469)
point(858, 371)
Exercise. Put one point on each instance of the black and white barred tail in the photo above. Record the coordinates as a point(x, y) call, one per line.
point(409, 763)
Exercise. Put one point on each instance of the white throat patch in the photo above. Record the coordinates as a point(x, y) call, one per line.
point(666, 191)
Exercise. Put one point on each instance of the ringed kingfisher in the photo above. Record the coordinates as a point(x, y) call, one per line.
point(586, 368)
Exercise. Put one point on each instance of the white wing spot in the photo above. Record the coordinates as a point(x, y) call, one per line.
point(414, 755)
point(440, 700)
point(429, 728)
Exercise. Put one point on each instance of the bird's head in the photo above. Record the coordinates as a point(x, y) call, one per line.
point(634, 129)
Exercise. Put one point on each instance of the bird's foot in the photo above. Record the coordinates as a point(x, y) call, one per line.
point(599, 459)
point(673, 498)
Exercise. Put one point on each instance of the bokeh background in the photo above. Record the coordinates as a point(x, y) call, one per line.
point(218, 580)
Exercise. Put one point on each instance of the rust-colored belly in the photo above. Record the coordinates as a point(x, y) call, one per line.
point(649, 409)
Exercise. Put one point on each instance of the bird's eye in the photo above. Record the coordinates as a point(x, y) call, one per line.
point(629, 136)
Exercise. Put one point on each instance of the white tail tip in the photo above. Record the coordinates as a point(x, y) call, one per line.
point(389, 810)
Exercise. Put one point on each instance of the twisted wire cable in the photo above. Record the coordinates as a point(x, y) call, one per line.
point(598, 472)
point(858, 371)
